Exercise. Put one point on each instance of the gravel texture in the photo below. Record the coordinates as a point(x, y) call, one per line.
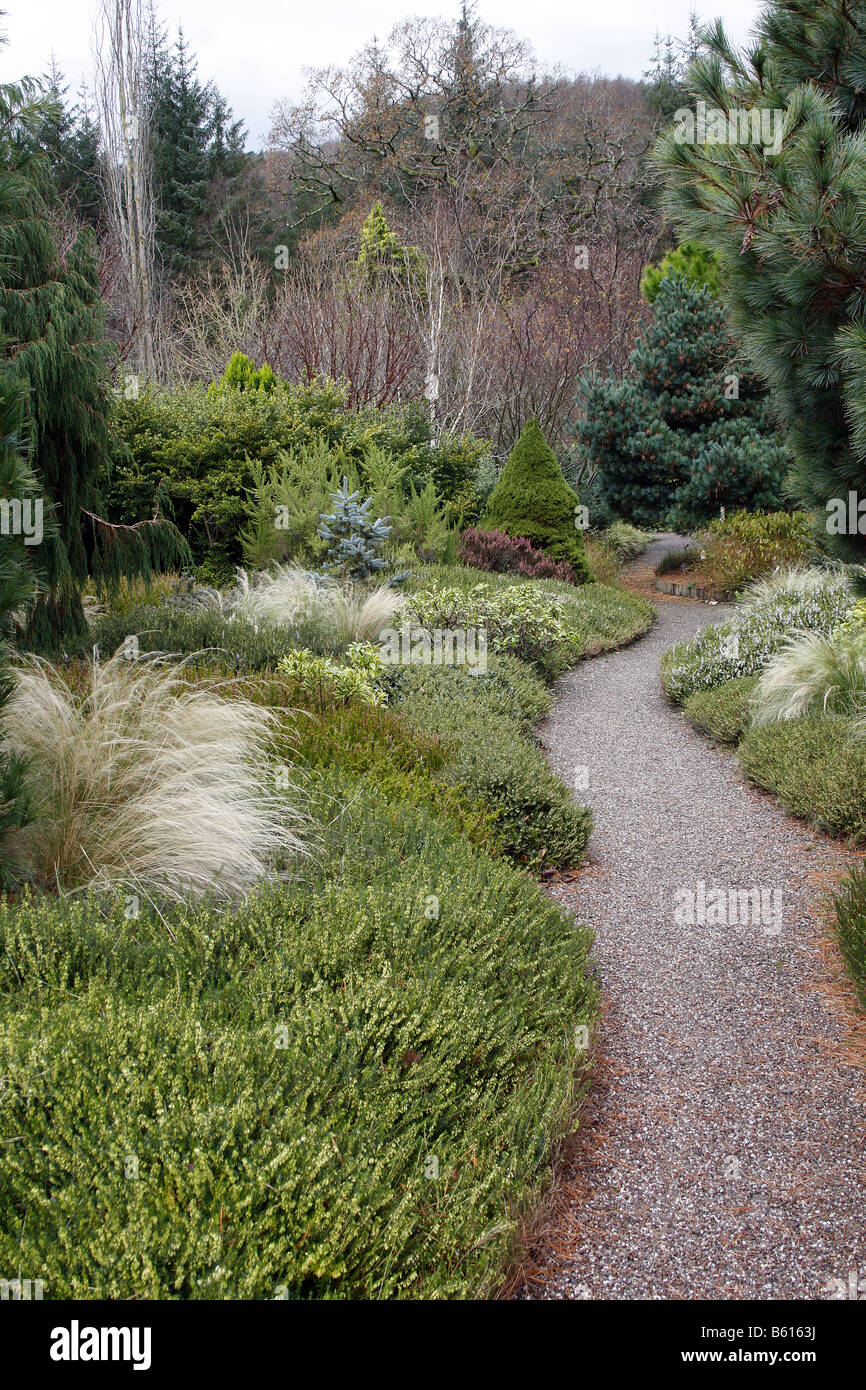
point(721, 1154)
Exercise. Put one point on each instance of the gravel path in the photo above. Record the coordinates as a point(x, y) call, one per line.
point(721, 1154)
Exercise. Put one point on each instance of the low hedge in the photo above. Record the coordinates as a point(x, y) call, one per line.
point(850, 926)
point(328, 1093)
point(537, 819)
point(816, 768)
point(724, 711)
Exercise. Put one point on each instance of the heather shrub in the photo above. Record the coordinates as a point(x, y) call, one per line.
point(325, 1093)
point(501, 553)
point(809, 601)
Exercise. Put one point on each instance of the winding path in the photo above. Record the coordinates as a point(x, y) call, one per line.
point(721, 1153)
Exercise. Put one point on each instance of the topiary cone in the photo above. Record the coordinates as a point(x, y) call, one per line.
point(532, 499)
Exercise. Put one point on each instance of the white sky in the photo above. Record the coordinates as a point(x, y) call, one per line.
point(257, 52)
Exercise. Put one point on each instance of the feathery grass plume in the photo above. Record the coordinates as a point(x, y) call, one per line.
point(798, 580)
point(141, 781)
point(812, 674)
point(325, 614)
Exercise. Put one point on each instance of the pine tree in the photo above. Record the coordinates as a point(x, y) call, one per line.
point(532, 499)
point(784, 214)
point(690, 431)
point(52, 316)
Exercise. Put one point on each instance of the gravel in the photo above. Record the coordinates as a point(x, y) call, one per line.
point(721, 1154)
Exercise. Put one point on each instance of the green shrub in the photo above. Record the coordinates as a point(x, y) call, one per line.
point(628, 541)
point(508, 687)
point(532, 499)
point(328, 1093)
point(537, 819)
point(810, 601)
point(849, 907)
point(747, 545)
point(723, 712)
point(217, 458)
point(816, 767)
point(524, 621)
point(241, 375)
point(207, 636)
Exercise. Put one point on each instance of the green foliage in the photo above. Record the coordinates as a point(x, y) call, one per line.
point(383, 260)
point(532, 499)
point(241, 374)
point(284, 504)
point(52, 317)
point(197, 157)
point(816, 767)
point(537, 819)
point(724, 712)
point(627, 541)
point(258, 1101)
point(353, 536)
point(691, 260)
point(220, 459)
point(17, 586)
point(689, 432)
point(523, 621)
point(358, 676)
point(204, 635)
point(849, 906)
point(509, 688)
point(784, 217)
point(747, 545)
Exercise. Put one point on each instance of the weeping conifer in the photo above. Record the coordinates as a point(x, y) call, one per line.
point(51, 316)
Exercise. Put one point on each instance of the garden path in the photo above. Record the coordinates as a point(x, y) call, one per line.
point(721, 1152)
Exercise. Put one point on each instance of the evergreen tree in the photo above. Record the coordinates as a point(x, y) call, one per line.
point(382, 257)
point(532, 499)
point(197, 155)
point(691, 430)
point(51, 314)
point(70, 138)
point(784, 214)
point(17, 586)
point(690, 259)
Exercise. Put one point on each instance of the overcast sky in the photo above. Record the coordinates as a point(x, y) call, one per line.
point(257, 53)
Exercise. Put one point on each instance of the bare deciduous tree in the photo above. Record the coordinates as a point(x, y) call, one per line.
point(123, 104)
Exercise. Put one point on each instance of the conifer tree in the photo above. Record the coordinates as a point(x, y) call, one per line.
point(785, 217)
point(17, 587)
point(690, 431)
point(197, 154)
point(532, 499)
point(51, 315)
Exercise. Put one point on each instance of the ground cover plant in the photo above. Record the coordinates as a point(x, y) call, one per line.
point(329, 1091)
point(783, 680)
